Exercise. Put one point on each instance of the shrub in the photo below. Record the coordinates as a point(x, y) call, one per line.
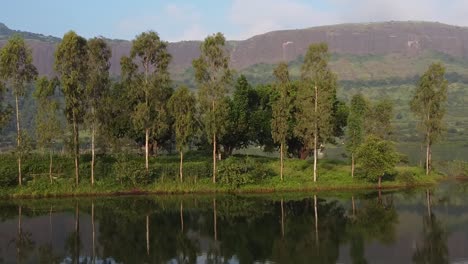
point(406, 176)
point(236, 172)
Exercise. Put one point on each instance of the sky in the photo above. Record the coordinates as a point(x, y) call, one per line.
point(194, 20)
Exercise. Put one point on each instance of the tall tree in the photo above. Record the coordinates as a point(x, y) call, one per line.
point(238, 121)
point(355, 126)
point(213, 76)
point(17, 70)
point(182, 106)
point(315, 100)
point(71, 64)
point(97, 85)
point(428, 104)
point(153, 92)
point(281, 110)
point(48, 127)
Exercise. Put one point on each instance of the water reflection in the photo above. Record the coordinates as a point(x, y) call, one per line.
point(420, 227)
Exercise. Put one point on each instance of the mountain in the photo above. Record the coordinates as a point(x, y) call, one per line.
point(359, 49)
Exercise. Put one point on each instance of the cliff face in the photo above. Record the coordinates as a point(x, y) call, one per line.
point(408, 38)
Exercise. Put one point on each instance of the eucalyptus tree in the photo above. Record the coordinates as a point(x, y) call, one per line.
point(97, 85)
point(48, 127)
point(182, 106)
point(152, 89)
point(429, 105)
point(355, 127)
point(378, 119)
point(5, 109)
point(315, 100)
point(71, 64)
point(213, 75)
point(281, 110)
point(17, 71)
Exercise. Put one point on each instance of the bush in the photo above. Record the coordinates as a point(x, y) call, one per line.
point(408, 177)
point(235, 171)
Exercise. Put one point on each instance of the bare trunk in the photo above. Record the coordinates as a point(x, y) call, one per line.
point(18, 140)
point(380, 182)
point(181, 216)
point(50, 166)
point(281, 161)
point(181, 166)
point(147, 235)
point(215, 227)
point(282, 218)
point(315, 133)
point(94, 232)
point(316, 219)
point(147, 151)
point(93, 132)
point(214, 158)
point(76, 146)
point(428, 147)
point(352, 165)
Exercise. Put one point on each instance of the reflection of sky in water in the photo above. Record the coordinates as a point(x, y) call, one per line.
point(248, 229)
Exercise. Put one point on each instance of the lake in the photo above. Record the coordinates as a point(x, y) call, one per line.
point(412, 226)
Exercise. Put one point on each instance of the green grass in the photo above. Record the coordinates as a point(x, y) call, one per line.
point(332, 175)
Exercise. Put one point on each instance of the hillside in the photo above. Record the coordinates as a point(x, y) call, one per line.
point(393, 44)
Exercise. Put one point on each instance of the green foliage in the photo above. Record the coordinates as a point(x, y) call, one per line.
point(213, 77)
point(378, 119)
point(376, 157)
point(236, 172)
point(355, 127)
point(281, 107)
point(182, 106)
point(315, 97)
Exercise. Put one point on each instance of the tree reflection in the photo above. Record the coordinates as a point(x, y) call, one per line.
point(24, 243)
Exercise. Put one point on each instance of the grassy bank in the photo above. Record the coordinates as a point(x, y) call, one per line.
point(118, 175)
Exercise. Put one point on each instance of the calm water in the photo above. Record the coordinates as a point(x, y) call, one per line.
point(397, 227)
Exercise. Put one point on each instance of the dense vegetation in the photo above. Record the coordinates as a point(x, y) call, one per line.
point(143, 108)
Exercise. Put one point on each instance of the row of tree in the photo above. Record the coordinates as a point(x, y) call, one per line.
point(297, 116)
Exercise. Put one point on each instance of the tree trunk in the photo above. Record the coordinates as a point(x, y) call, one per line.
point(281, 161)
point(303, 153)
point(147, 151)
point(428, 198)
point(428, 149)
point(352, 165)
point(50, 166)
point(93, 132)
point(76, 146)
point(77, 234)
point(181, 166)
point(354, 205)
point(18, 140)
point(214, 158)
point(315, 133)
point(380, 182)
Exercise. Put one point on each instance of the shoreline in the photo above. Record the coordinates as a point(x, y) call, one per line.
point(201, 191)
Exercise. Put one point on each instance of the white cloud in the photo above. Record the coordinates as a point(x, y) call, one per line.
point(259, 16)
point(173, 23)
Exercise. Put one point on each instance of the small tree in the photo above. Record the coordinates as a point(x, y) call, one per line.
point(182, 106)
point(71, 64)
point(17, 70)
point(281, 110)
point(98, 83)
point(376, 157)
point(213, 76)
point(48, 126)
point(355, 127)
point(152, 91)
point(428, 104)
point(315, 100)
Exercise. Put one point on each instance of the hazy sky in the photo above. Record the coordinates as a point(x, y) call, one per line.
point(237, 19)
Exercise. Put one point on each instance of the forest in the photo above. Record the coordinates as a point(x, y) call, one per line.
point(143, 132)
